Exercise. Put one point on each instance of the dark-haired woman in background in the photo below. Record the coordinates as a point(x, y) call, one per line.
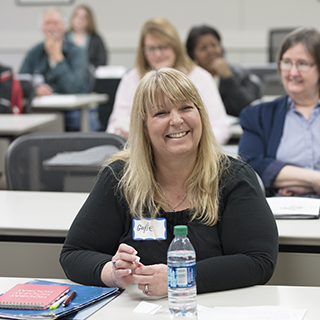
point(237, 87)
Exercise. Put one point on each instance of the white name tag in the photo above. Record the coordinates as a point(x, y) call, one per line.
point(149, 229)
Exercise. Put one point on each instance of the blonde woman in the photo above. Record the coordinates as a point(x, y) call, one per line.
point(160, 46)
point(172, 171)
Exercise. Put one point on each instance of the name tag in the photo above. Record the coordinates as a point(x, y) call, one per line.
point(149, 229)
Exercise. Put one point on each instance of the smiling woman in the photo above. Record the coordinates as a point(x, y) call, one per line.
point(281, 138)
point(172, 171)
point(160, 47)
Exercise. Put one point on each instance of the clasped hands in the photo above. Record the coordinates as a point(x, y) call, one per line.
point(126, 267)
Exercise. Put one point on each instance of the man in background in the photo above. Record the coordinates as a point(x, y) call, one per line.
point(58, 65)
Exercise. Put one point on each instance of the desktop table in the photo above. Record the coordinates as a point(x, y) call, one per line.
point(32, 230)
point(35, 224)
point(122, 307)
point(13, 125)
point(59, 102)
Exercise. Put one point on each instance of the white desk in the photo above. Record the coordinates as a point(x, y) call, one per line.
point(299, 257)
point(70, 102)
point(38, 214)
point(122, 307)
point(32, 230)
point(17, 124)
point(34, 224)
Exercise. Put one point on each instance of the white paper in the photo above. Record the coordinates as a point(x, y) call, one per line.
point(55, 99)
point(107, 72)
point(250, 313)
point(294, 207)
point(147, 307)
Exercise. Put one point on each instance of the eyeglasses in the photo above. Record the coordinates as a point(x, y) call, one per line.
point(300, 65)
point(152, 50)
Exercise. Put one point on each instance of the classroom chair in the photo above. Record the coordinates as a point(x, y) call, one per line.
point(58, 162)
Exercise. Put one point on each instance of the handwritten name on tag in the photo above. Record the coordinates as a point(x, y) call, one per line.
point(149, 229)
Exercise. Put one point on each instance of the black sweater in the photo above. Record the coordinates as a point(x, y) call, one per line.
point(239, 251)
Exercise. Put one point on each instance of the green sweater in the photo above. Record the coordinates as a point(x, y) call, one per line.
point(67, 77)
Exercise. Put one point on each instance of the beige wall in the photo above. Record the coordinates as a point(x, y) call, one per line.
point(244, 24)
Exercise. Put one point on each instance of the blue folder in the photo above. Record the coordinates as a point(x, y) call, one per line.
point(86, 296)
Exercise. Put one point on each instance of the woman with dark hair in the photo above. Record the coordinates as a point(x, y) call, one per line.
point(83, 34)
point(160, 46)
point(281, 138)
point(237, 87)
point(172, 171)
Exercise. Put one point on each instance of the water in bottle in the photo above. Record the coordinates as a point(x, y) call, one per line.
point(182, 289)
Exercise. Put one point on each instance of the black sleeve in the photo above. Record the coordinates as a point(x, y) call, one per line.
point(94, 235)
point(97, 51)
point(248, 234)
point(239, 91)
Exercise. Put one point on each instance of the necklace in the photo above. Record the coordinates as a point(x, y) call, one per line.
point(177, 205)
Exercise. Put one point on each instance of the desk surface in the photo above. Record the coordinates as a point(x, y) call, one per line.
point(68, 101)
point(17, 124)
point(43, 214)
point(54, 212)
point(122, 307)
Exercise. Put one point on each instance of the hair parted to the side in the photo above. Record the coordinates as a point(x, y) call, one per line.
point(142, 192)
point(309, 37)
point(163, 30)
point(91, 28)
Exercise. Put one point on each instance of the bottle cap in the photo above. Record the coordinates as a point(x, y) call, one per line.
point(180, 230)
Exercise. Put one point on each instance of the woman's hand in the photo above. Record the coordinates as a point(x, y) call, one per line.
point(122, 132)
point(221, 67)
point(118, 272)
point(152, 280)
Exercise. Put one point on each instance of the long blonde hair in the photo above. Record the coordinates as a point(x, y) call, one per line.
point(163, 30)
point(138, 182)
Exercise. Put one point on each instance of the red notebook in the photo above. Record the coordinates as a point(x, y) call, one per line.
point(32, 296)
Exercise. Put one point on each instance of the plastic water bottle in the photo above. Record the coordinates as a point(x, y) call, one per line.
point(182, 289)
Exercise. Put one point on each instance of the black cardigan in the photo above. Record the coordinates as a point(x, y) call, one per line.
point(239, 251)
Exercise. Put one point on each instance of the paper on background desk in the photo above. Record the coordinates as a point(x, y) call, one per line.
point(250, 313)
point(109, 72)
point(54, 99)
point(294, 207)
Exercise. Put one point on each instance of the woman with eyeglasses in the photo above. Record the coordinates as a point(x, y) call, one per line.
point(160, 46)
point(281, 138)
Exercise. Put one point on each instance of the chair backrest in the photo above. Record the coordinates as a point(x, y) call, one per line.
point(27, 160)
point(27, 84)
point(275, 39)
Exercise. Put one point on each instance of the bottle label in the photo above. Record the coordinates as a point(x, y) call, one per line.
point(182, 277)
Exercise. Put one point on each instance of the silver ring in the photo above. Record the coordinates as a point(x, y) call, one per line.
point(146, 289)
